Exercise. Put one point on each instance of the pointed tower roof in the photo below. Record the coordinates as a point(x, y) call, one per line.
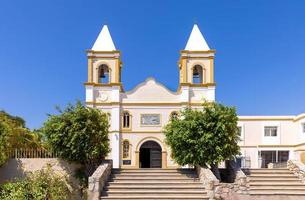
point(196, 41)
point(104, 41)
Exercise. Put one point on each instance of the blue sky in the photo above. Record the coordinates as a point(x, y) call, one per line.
point(259, 66)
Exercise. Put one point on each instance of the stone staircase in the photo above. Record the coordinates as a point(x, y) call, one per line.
point(274, 182)
point(154, 184)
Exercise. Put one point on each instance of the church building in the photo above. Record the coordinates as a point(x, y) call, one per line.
point(137, 117)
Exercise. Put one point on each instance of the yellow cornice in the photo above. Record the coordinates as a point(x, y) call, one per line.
point(198, 52)
point(105, 85)
point(195, 85)
point(145, 103)
point(104, 52)
point(276, 145)
point(299, 117)
point(264, 119)
point(139, 132)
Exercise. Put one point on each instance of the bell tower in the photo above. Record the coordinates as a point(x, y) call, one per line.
point(196, 67)
point(104, 87)
point(104, 61)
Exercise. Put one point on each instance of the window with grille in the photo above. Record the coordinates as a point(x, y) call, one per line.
point(125, 149)
point(270, 131)
point(126, 120)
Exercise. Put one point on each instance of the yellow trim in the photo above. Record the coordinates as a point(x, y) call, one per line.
point(90, 70)
point(103, 84)
point(299, 117)
point(262, 119)
point(98, 73)
point(163, 150)
point(198, 52)
point(184, 70)
point(130, 121)
point(276, 145)
point(143, 125)
point(105, 52)
point(211, 70)
point(144, 104)
point(129, 150)
point(138, 131)
point(155, 139)
point(196, 85)
point(117, 71)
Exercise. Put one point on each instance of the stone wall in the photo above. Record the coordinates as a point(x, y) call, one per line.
point(298, 168)
point(98, 179)
point(240, 186)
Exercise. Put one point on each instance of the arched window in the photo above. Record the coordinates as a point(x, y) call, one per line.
point(174, 115)
point(125, 149)
point(103, 74)
point(197, 74)
point(126, 119)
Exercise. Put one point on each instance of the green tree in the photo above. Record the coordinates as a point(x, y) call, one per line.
point(14, 134)
point(4, 145)
point(204, 137)
point(79, 134)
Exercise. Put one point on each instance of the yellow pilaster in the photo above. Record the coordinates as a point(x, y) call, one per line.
point(211, 69)
point(117, 71)
point(164, 159)
point(137, 157)
point(90, 70)
point(183, 70)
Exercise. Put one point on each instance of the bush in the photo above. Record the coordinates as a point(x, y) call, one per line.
point(41, 185)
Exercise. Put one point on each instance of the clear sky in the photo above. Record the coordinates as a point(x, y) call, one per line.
point(259, 64)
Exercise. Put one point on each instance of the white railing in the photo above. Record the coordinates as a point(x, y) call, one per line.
point(32, 153)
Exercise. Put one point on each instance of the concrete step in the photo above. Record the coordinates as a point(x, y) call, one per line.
point(154, 188)
point(296, 183)
point(277, 192)
point(177, 178)
point(278, 187)
point(145, 193)
point(272, 175)
point(155, 175)
point(174, 197)
point(271, 172)
point(156, 183)
point(273, 179)
point(149, 170)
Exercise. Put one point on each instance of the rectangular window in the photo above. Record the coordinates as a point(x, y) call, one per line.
point(270, 131)
point(303, 127)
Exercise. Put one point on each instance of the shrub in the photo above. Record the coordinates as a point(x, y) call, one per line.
point(40, 185)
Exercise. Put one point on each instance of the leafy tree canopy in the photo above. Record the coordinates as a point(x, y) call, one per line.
point(78, 134)
point(14, 134)
point(204, 137)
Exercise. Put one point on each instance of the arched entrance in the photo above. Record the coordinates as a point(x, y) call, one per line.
point(150, 155)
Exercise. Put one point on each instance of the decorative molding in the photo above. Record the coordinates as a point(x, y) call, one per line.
point(144, 103)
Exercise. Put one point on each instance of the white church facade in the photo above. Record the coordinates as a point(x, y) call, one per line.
point(137, 117)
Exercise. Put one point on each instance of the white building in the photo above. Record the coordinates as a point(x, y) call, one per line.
point(138, 115)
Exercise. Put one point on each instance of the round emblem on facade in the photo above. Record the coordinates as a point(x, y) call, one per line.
point(102, 97)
